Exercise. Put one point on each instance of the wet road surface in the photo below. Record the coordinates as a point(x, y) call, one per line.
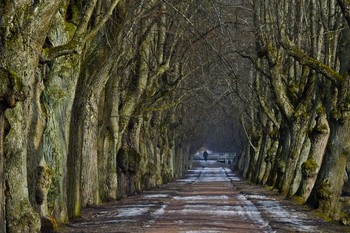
point(209, 199)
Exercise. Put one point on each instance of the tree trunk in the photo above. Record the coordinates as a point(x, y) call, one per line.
point(2, 172)
point(20, 51)
point(61, 76)
point(311, 167)
point(108, 155)
point(298, 170)
point(83, 187)
point(20, 214)
point(270, 160)
point(299, 132)
point(246, 158)
point(327, 190)
point(262, 164)
point(254, 157)
point(279, 168)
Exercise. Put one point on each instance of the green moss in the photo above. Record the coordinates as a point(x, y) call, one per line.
point(70, 29)
point(322, 129)
point(56, 92)
point(308, 168)
point(281, 165)
point(299, 200)
point(323, 216)
point(54, 193)
point(324, 191)
point(21, 217)
point(166, 175)
point(16, 81)
point(152, 168)
point(11, 87)
point(321, 110)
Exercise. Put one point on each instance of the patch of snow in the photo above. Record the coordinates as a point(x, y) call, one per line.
point(261, 197)
point(101, 222)
point(160, 211)
point(180, 222)
point(155, 195)
point(234, 178)
point(216, 213)
point(188, 180)
point(131, 212)
point(252, 212)
point(287, 215)
point(203, 162)
point(213, 179)
point(221, 197)
point(206, 231)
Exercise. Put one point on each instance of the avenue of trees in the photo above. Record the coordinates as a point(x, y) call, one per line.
point(102, 99)
point(299, 126)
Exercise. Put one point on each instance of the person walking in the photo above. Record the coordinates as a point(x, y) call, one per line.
point(205, 155)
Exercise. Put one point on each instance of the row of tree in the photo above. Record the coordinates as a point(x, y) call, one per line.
point(101, 99)
point(97, 101)
point(299, 125)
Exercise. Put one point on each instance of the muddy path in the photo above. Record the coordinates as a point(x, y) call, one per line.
point(209, 199)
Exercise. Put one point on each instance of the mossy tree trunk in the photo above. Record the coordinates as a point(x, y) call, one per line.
point(2, 171)
point(110, 139)
point(24, 28)
point(61, 76)
point(82, 154)
point(270, 159)
point(330, 179)
point(298, 136)
point(291, 95)
point(261, 163)
point(327, 189)
point(97, 66)
point(310, 168)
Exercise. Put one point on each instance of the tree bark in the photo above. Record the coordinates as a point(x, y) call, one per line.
point(82, 154)
point(2, 172)
point(20, 52)
point(298, 134)
point(311, 167)
point(108, 155)
point(330, 179)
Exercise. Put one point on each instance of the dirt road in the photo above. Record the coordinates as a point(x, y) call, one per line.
point(209, 199)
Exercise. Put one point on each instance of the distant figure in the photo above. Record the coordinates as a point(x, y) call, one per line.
point(205, 155)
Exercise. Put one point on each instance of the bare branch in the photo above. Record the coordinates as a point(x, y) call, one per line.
point(345, 8)
point(335, 77)
point(81, 35)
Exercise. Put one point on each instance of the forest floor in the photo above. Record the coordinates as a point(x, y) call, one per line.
point(210, 198)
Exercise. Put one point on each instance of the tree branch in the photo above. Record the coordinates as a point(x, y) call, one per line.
point(335, 77)
point(102, 22)
point(246, 134)
point(81, 35)
point(264, 106)
point(345, 8)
